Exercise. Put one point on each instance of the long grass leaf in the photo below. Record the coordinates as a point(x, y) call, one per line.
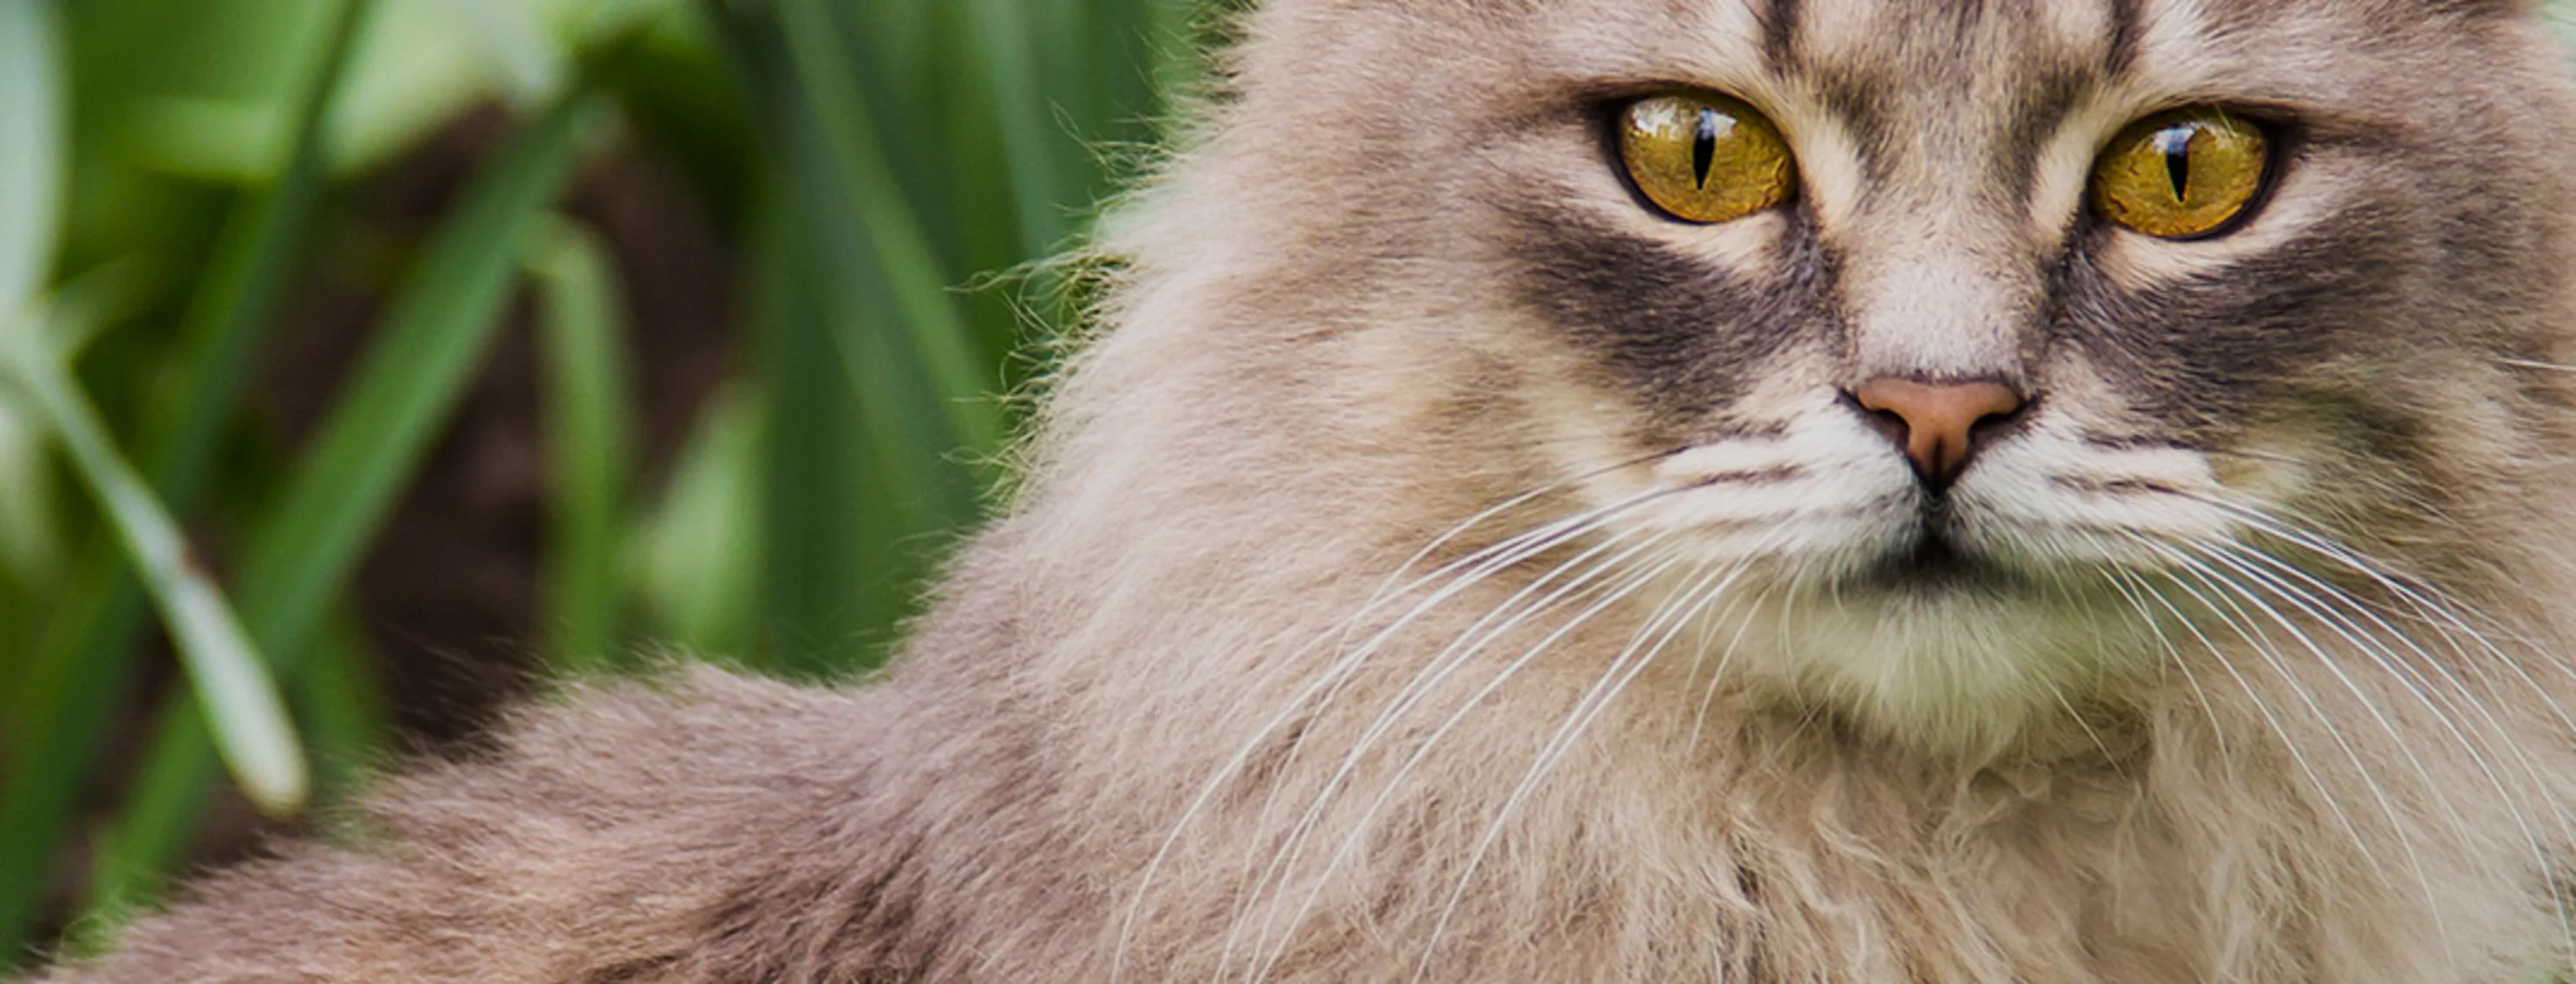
point(31, 155)
point(31, 151)
point(1000, 31)
point(81, 659)
point(342, 704)
point(588, 449)
point(939, 336)
point(434, 333)
point(517, 47)
point(860, 482)
point(240, 701)
point(699, 573)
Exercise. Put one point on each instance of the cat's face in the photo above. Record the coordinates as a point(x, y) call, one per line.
point(2123, 419)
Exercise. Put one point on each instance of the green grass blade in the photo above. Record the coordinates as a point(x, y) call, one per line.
point(699, 574)
point(588, 449)
point(246, 280)
point(435, 331)
point(861, 483)
point(81, 659)
point(1001, 30)
point(31, 151)
point(31, 545)
point(939, 336)
point(31, 163)
point(31, 527)
point(241, 704)
point(343, 707)
point(517, 46)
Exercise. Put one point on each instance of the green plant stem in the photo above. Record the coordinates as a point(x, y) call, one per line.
point(89, 640)
point(433, 337)
point(940, 340)
point(249, 727)
point(588, 449)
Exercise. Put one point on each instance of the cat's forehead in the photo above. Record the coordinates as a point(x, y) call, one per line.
point(1924, 42)
point(1841, 37)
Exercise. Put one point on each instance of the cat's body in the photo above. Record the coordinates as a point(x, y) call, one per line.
point(1448, 569)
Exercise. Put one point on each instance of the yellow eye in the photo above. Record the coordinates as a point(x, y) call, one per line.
point(2181, 174)
point(1705, 158)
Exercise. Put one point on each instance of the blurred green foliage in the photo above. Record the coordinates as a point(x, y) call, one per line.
point(166, 170)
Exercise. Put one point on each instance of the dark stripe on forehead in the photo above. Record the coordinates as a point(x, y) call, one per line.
point(1780, 35)
point(2123, 51)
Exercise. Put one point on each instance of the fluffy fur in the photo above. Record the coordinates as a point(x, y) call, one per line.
point(1445, 569)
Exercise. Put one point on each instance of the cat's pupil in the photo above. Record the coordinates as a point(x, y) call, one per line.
point(1704, 148)
point(2175, 144)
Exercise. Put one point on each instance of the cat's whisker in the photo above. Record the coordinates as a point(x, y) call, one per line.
point(1511, 612)
point(2091, 734)
point(2263, 708)
point(2235, 596)
point(1686, 606)
point(1570, 578)
point(1611, 597)
point(2133, 587)
point(2429, 603)
point(2517, 803)
point(1462, 527)
point(1708, 696)
point(2339, 601)
point(1573, 578)
point(2243, 573)
point(1463, 573)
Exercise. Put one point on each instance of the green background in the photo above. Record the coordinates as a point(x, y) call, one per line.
point(476, 341)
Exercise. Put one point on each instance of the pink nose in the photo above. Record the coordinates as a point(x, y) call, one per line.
point(1939, 418)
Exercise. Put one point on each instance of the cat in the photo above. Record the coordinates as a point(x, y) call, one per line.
point(1668, 490)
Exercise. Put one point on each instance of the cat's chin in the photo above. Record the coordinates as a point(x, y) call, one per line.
point(1935, 564)
point(1933, 643)
point(1948, 662)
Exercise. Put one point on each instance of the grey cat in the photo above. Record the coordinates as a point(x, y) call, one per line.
point(1669, 490)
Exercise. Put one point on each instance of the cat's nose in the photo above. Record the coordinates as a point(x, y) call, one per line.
point(1936, 422)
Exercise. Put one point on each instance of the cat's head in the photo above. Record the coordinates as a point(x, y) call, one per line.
point(1957, 339)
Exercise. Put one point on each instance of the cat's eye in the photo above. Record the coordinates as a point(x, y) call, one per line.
point(1705, 158)
point(2181, 174)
